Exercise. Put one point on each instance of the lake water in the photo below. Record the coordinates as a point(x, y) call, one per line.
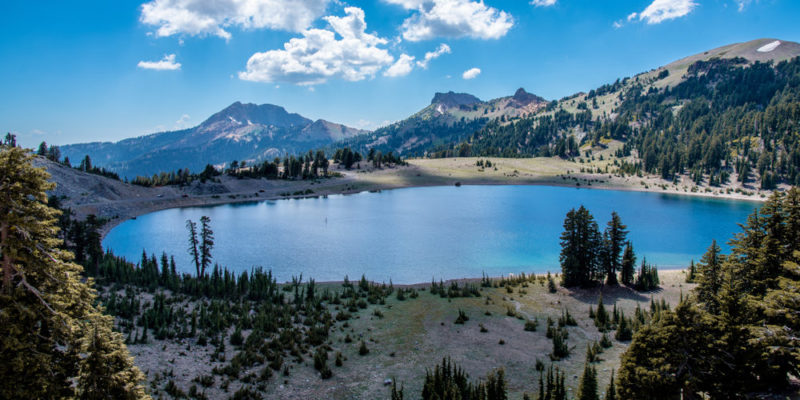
point(413, 235)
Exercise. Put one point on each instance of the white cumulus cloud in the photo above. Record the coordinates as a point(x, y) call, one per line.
point(432, 55)
point(663, 10)
point(402, 67)
point(471, 73)
point(319, 55)
point(204, 17)
point(543, 3)
point(453, 18)
point(165, 64)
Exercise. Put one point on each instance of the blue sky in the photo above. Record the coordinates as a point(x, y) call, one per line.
point(105, 70)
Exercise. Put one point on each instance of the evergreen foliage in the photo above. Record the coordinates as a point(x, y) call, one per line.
point(614, 239)
point(580, 245)
point(733, 118)
point(587, 389)
point(736, 336)
point(709, 279)
point(628, 265)
point(56, 343)
point(647, 277)
point(588, 256)
point(449, 382)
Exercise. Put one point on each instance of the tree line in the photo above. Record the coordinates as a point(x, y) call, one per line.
point(736, 336)
point(589, 257)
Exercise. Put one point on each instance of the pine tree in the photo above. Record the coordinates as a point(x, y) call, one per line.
point(624, 331)
point(580, 244)
point(782, 311)
point(611, 393)
point(708, 279)
point(601, 316)
point(52, 332)
point(206, 244)
point(616, 238)
point(194, 245)
point(673, 354)
point(109, 372)
point(587, 389)
point(691, 274)
point(628, 265)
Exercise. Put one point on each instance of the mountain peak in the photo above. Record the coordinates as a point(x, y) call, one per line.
point(452, 99)
point(264, 114)
point(524, 98)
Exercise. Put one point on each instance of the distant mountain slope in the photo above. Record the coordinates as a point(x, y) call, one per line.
point(239, 132)
point(449, 118)
point(728, 113)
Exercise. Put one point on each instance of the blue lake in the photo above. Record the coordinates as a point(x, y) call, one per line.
point(414, 235)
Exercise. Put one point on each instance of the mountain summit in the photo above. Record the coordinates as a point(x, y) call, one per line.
point(264, 114)
point(452, 99)
point(241, 131)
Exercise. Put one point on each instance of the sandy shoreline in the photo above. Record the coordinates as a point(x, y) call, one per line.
point(122, 202)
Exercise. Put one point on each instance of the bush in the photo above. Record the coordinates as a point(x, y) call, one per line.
point(236, 337)
point(531, 325)
point(462, 317)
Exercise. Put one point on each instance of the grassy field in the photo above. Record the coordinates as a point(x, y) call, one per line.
point(597, 170)
point(413, 335)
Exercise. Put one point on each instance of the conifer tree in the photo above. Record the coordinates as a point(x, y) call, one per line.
point(616, 237)
point(628, 265)
point(709, 276)
point(194, 245)
point(52, 334)
point(601, 316)
point(611, 392)
point(673, 354)
point(206, 244)
point(691, 274)
point(587, 389)
point(580, 246)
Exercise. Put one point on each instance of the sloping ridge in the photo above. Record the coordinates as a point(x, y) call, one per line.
point(762, 50)
point(241, 131)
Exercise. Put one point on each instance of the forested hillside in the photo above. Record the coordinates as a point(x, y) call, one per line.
point(724, 118)
point(450, 118)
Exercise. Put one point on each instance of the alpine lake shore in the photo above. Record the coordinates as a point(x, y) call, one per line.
point(593, 170)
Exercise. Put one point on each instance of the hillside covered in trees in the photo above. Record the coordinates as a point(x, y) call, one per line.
point(724, 118)
point(733, 336)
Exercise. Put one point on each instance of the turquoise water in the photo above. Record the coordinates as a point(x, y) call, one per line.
point(413, 235)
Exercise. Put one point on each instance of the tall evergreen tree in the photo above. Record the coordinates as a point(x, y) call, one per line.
point(206, 244)
point(587, 389)
point(580, 244)
point(691, 273)
point(52, 335)
point(628, 265)
point(194, 245)
point(611, 392)
point(709, 277)
point(616, 234)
